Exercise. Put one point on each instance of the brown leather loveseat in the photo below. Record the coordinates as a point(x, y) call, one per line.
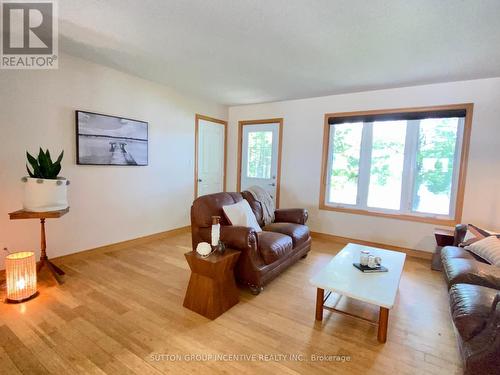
point(264, 255)
point(474, 291)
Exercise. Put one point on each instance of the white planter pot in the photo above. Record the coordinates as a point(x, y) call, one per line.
point(45, 195)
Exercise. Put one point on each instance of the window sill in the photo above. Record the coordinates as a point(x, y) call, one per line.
point(421, 219)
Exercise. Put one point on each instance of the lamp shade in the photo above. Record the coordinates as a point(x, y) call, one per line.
point(20, 272)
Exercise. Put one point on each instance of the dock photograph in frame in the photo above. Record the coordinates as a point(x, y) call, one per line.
point(110, 140)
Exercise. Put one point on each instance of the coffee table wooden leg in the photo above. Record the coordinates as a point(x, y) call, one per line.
point(320, 295)
point(383, 319)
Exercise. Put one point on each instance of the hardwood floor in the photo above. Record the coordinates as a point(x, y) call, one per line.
point(121, 310)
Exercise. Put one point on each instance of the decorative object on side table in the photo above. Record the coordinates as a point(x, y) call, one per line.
point(20, 273)
point(369, 263)
point(44, 260)
point(368, 269)
point(204, 249)
point(363, 257)
point(44, 190)
point(444, 237)
point(217, 244)
point(212, 288)
point(221, 248)
point(215, 234)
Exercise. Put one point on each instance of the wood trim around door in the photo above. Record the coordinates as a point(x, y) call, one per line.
point(199, 117)
point(468, 107)
point(241, 124)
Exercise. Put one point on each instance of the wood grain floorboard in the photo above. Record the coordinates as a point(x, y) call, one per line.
point(120, 310)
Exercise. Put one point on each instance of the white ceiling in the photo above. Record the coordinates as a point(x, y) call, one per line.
point(250, 51)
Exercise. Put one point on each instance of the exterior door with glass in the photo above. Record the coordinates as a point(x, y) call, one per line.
point(260, 145)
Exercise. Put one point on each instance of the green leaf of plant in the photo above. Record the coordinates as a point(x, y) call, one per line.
point(55, 170)
point(29, 172)
point(47, 155)
point(56, 167)
point(31, 159)
point(50, 165)
point(43, 164)
point(34, 165)
point(36, 171)
point(59, 159)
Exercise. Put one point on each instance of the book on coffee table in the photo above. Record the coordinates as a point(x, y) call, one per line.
point(367, 269)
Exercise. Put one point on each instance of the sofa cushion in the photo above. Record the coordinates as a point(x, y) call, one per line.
point(488, 249)
point(469, 271)
point(273, 246)
point(470, 308)
point(241, 215)
point(299, 233)
point(255, 205)
point(450, 252)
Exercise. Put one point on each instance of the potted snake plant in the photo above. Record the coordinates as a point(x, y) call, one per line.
point(44, 190)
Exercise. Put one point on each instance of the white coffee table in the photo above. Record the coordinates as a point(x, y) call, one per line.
point(379, 289)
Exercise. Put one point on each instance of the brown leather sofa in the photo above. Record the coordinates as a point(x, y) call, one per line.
point(475, 306)
point(264, 255)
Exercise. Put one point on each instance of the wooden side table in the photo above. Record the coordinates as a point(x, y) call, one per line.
point(444, 237)
point(212, 289)
point(55, 271)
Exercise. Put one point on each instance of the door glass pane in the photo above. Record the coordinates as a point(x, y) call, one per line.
point(388, 149)
point(260, 152)
point(344, 173)
point(435, 165)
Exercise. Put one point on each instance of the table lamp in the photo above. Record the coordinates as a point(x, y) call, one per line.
point(20, 272)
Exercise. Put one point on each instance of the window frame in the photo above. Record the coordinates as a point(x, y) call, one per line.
point(459, 176)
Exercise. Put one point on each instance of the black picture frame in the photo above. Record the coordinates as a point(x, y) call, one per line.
point(95, 144)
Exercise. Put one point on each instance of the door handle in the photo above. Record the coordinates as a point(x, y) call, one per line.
point(273, 184)
point(199, 180)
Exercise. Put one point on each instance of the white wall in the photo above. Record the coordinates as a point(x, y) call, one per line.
point(302, 148)
point(108, 203)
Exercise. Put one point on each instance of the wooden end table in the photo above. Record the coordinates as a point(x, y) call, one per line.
point(444, 237)
point(212, 288)
point(55, 271)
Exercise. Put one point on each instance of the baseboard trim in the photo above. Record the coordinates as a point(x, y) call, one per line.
point(127, 243)
point(344, 240)
point(120, 245)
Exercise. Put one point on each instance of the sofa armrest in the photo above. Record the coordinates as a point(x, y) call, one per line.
point(482, 352)
point(495, 314)
point(238, 238)
point(291, 215)
point(495, 303)
point(459, 235)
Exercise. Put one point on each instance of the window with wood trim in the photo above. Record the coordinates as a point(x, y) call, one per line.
point(407, 163)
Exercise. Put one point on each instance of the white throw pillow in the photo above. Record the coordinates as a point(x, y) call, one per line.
point(240, 214)
point(488, 248)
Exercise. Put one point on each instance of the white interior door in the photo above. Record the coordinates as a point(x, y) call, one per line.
point(210, 157)
point(259, 156)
